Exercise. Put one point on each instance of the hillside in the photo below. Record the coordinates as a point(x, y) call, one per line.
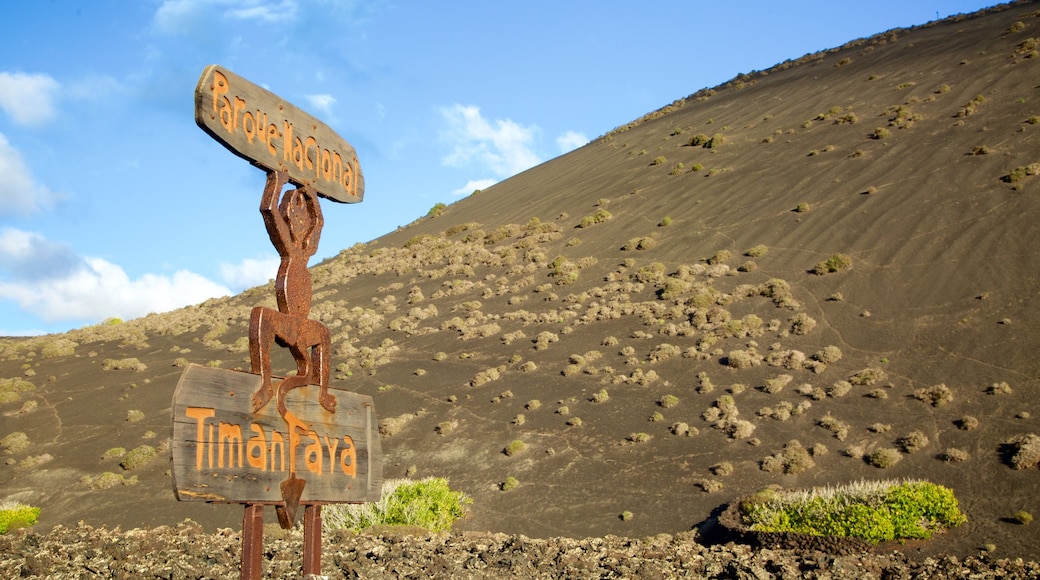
point(763, 283)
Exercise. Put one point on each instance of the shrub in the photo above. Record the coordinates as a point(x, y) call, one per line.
point(699, 140)
point(884, 458)
point(1022, 517)
point(132, 364)
point(872, 511)
point(1021, 172)
point(137, 457)
point(880, 133)
point(11, 389)
point(1023, 451)
point(756, 251)
point(793, 459)
point(427, 503)
point(669, 401)
point(913, 441)
point(659, 160)
point(835, 263)
point(514, 447)
point(437, 210)
point(15, 442)
point(936, 396)
point(639, 437)
point(829, 354)
point(14, 515)
point(510, 483)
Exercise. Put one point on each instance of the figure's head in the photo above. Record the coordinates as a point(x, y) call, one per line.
point(302, 213)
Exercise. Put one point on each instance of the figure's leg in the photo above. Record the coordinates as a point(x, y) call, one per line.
point(261, 339)
point(320, 365)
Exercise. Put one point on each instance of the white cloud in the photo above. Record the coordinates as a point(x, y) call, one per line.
point(250, 272)
point(28, 98)
point(504, 147)
point(63, 286)
point(571, 140)
point(473, 185)
point(28, 256)
point(323, 103)
point(183, 16)
point(20, 194)
point(102, 289)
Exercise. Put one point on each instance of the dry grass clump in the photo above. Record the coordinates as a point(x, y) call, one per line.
point(954, 455)
point(11, 389)
point(106, 480)
point(743, 359)
point(936, 395)
point(838, 389)
point(1023, 451)
point(601, 215)
point(1001, 388)
point(15, 442)
point(132, 364)
point(638, 437)
point(967, 423)
point(446, 427)
point(709, 485)
point(791, 460)
point(913, 442)
point(884, 457)
point(802, 323)
point(390, 426)
point(835, 263)
point(722, 468)
point(640, 243)
point(839, 428)
point(868, 376)
point(776, 384)
point(829, 354)
point(138, 456)
point(516, 446)
point(544, 339)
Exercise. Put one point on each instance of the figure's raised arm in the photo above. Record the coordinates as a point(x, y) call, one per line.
point(277, 225)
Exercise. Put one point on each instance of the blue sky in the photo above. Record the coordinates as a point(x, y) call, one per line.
point(113, 203)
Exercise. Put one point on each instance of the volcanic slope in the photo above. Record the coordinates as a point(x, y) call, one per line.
point(810, 275)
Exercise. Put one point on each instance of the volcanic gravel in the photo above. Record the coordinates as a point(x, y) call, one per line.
point(186, 551)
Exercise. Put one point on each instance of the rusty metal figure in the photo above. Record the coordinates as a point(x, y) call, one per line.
point(294, 226)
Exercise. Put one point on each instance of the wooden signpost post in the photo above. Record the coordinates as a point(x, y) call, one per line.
point(256, 438)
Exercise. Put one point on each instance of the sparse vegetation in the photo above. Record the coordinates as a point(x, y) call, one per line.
point(427, 503)
point(874, 511)
point(15, 515)
point(835, 263)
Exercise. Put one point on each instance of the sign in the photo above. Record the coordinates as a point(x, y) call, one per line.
point(223, 452)
point(257, 125)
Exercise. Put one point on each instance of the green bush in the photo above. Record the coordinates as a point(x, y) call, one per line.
point(138, 457)
point(428, 503)
point(873, 511)
point(15, 515)
point(437, 210)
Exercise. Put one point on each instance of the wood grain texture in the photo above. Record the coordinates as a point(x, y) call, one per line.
point(223, 452)
point(259, 126)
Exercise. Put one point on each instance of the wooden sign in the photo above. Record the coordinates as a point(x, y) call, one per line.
point(223, 452)
point(257, 125)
